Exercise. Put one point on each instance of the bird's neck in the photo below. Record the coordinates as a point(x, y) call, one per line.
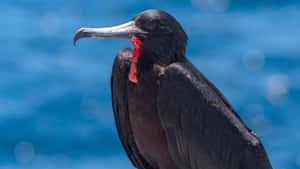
point(148, 60)
point(146, 55)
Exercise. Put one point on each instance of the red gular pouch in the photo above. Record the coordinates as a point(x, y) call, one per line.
point(136, 53)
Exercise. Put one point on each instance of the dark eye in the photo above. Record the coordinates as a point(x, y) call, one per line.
point(150, 25)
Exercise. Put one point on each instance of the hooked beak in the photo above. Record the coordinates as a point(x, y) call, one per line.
point(127, 30)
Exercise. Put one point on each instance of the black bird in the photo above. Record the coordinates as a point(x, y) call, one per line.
point(168, 114)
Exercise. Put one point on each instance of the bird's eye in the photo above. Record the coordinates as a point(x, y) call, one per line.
point(149, 25)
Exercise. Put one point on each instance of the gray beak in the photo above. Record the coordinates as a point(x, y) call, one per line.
point(127, 30)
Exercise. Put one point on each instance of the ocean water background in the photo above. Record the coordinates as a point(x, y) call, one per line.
point(55, 106)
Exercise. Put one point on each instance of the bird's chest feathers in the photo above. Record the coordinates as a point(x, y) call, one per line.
point(144, 119)
point(142, 108)
point(142, 95)
point(142, 98)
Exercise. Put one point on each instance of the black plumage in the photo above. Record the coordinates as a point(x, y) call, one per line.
point(173, 117)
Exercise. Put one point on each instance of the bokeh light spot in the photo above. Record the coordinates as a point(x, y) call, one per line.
point(277, 87)
point(214, 5)
point(254, 60)
point(49, 24)
point(24, 152)
point(298, 160)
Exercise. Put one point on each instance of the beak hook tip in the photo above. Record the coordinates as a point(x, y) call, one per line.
point(74, 42)
point(77, 36)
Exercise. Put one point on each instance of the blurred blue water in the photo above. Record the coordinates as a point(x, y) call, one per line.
point(55, 107)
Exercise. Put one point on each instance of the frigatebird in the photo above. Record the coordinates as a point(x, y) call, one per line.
point(168, 114)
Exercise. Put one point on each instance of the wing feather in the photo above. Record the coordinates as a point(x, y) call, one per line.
point(202, 128)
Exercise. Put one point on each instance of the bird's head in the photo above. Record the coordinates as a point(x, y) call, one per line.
point(156, 36)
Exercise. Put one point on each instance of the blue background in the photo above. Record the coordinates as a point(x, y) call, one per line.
point(55, 106)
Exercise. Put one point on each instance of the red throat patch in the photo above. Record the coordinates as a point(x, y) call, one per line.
point(136, 53)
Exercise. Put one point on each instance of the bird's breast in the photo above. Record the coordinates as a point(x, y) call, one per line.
point(145, 123)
